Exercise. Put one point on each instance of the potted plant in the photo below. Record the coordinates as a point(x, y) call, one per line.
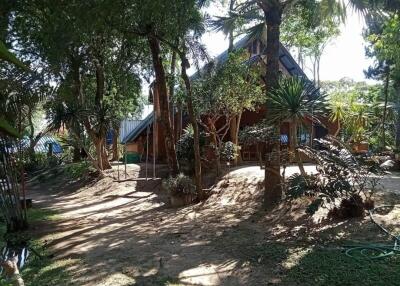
point(181, 190)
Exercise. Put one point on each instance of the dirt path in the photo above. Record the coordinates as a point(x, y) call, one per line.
point(125, 234)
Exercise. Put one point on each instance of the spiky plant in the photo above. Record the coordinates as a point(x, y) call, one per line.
point(296, 101)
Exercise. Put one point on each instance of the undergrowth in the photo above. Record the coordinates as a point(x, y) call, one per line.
point(40, 269)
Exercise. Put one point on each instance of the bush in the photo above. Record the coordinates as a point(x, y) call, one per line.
point(342, 179)
point(78, 170)
point(229, 151)
point(40, 161)
point(185, 148)
point(179, 186)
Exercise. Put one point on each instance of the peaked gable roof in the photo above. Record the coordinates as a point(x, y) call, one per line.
point(285, 59)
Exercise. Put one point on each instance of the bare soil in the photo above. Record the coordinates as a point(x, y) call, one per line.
point(124, 233)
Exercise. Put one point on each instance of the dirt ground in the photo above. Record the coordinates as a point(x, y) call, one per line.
point(124, 233)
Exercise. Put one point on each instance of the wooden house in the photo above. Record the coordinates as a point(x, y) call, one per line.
point(149, 137)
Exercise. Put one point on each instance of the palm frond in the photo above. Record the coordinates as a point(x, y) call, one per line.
point(7, 56)
point(295, 99)
point(256, 32)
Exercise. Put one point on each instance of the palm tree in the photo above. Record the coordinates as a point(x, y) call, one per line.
point(7, 56)
point(273, 12)
point(295, 100)
point(338, 113)
point(11, 210)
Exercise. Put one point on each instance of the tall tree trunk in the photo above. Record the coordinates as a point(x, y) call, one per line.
point(99, 156)
point(115, 144)
point(104, 155)
point(214, 140)
point(161, 85)
point(231, 36)
point(101, 134)
point(196, 136)
point(397, 94)
point(171, 91)
point(234, 132)
point(386, 93)
point(273, 190)
point(97, 138)
point(318, 71)
point(178, 129)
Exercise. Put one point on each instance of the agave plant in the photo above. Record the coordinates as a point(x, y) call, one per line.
point(296, 101)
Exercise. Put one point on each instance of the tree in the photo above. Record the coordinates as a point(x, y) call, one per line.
point(383, 34)
point(85, 67)
point(161, 22)
point(11, 209)
point(357, 108)
point(223, 92)
point(306, 30)
point(296, 101)
point(274, 12)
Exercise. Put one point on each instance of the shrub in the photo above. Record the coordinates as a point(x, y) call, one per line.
point(179, 186)
point(341, 182)
point(39, 161)
point(229, 151)
point(78, 170)
point(185, 148)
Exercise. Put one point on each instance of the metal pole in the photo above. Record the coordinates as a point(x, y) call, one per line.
point(126, 159)
point(154, 137)
point(118, 167)
point(147, 150)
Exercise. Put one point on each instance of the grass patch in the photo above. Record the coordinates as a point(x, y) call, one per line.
point(333, 267)
point(40, 271)
point(38, 215)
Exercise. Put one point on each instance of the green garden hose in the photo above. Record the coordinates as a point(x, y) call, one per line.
point(376, 251)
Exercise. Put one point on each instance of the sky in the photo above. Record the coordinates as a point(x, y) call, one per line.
point(343, 57)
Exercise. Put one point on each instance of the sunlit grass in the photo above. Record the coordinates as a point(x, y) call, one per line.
point(333, 267)
point(43, 270)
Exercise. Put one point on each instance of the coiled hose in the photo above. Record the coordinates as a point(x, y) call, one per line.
point(376, 251)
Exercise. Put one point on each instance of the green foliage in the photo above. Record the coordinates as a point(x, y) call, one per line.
point(184, 146)
point(316, 268)
point(179, 185)
point(306, 29)
point(44, 270)
point(78, 170)
point(358, 109)
point(341, 176)
point(6, 55)
point(295, 99)
point(229, 151)
point(40, 161)
point(228, 89)
point(258, 133)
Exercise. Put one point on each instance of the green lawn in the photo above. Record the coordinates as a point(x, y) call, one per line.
point(333, 267)
point(42, 271)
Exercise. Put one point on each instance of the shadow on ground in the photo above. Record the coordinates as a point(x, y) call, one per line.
point(125, 234)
